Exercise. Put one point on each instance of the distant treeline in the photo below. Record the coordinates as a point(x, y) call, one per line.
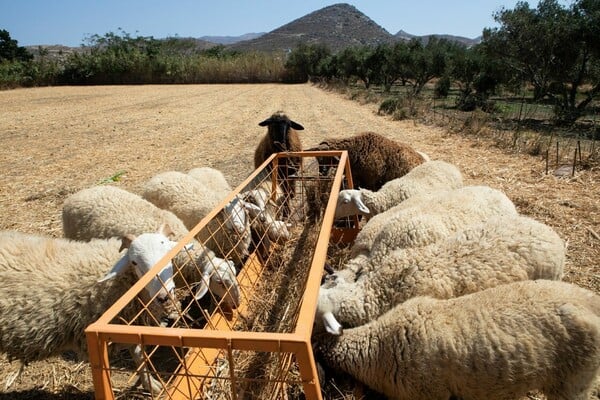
point(550, 54)
point(123, 59)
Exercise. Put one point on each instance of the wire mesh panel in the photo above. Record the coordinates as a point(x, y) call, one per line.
point(245, 298)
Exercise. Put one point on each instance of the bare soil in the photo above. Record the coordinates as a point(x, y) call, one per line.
point(56, 141)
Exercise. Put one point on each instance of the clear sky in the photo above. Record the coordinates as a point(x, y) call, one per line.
point(69, 22)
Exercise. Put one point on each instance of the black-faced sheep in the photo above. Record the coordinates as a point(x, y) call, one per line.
point(501, 250)
point(54, 288)
point(374, 159)
point(498, 343)
point(282, 136)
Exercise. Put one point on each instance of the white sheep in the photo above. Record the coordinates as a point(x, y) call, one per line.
point(263, 204)
point(428, 217)
point(498, 343)
point(501, 250)
point(54, 288)
point(423, 178)
point(108, 211)
point(227, 234)
point(213, 178)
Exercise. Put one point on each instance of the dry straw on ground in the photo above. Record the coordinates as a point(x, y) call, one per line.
point(55, 141)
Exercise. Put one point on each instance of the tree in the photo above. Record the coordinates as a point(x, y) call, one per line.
point(476, 75)
point(10, 50)
point(553, 48)
point(426, 62)
point(304, 61)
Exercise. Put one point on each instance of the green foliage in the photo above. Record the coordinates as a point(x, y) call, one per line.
point(442, 87)
point(10, 50)
point(388, 106)
point(307, 60)
point(553, 48)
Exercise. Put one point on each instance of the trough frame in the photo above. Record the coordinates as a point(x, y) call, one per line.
point(219, 338)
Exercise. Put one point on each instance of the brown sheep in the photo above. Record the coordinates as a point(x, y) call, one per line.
point(281, 137)
point(374, 159)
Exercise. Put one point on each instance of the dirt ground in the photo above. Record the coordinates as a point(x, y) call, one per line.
point(56, 141)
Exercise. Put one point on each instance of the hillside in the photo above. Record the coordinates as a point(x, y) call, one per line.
point(231, 39)
point(338, 26)
point(460, 39)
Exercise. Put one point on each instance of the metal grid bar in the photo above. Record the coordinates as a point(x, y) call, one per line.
point(219, 340)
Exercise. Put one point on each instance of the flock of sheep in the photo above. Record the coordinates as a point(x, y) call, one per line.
point(449, 293)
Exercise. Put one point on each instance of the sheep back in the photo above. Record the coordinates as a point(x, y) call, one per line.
point(108, 211)
point(38, 276)
point(498, 251)
point(186, 197)
point(212, 178)
point(191, 201)
point(497, 343)
point(423, 219)
point(424, 178)
point(375, 159)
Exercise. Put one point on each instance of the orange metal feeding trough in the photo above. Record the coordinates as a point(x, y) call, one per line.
point(262, 349)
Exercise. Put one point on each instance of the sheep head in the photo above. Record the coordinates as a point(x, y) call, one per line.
point(350, 202)
point(143, 252)
point(279, 126)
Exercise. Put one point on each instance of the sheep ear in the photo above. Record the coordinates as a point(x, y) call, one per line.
point(332, 326)
point(201, 292)
point(265, 122)
point(296, 126)
point(360, 205)
point(126, 242)
point(117, 269)
point(252, 207)
point(165, 229)
point(189, 246)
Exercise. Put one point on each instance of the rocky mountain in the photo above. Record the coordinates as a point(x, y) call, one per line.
point(337, 26)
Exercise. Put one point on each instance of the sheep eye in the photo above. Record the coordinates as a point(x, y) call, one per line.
point(134, 262)
point(162, 299)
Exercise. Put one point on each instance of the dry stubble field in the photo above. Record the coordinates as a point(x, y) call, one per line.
point(55, 141)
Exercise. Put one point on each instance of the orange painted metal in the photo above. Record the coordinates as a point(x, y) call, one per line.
point(206, 345)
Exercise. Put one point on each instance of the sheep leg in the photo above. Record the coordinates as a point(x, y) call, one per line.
point(144, 377)
point(11, 378)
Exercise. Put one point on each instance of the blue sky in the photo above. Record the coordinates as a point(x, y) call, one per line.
point(69, 22)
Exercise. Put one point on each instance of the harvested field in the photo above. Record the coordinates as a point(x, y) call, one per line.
point(56, 141)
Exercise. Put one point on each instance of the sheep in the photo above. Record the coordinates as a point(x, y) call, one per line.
point(426, 218)
point(498, 343)
point(423, 178)
point(213, 178)
point(282, 136)
point(501, 250)
point(108, 211)
point(263, 210)
point(54, 288)
point(228, 234)
point(374, 159)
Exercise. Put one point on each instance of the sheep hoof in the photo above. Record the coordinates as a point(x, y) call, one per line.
point(12, 377)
